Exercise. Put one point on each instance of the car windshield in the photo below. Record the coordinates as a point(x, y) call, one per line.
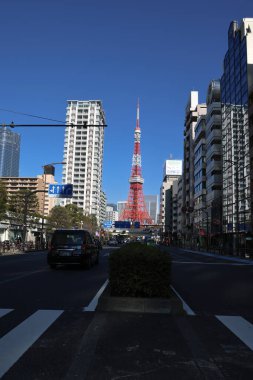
point(68, 237)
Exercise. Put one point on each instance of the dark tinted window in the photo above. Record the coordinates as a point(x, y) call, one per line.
point(68, 237)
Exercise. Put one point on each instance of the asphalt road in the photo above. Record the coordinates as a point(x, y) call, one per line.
point(48, 330)
point(27, 282)
point(213, 285)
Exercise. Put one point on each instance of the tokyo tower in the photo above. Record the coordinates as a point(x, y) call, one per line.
point(135, 209)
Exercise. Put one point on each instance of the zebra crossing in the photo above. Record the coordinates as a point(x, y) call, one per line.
point(20, 334)
point(17, 341)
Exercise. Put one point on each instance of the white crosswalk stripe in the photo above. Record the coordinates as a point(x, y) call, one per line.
point(240, 327)
point(19, 339)
point(15, 343)
point(4, 312)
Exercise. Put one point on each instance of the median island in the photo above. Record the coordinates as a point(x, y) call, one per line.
point(139, 281)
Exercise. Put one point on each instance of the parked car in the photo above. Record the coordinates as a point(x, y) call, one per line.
point(72, 247)
point(151, 242)
point(112, 243)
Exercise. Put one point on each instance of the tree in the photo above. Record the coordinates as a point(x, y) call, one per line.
point(3, 200)
point(71, 216)
point(16, 206)
point(58, 218)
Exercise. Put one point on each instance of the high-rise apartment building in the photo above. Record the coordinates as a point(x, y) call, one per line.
point(179, 201)
point(200, 213)
point(9, 153)
point(102, 207)
point(83, 154)
point(192, 113)
point(236, 82)
point(214, 178)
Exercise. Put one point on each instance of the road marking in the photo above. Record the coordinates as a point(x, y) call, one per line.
point(22, 276)
point(186, 307)
point(203, 263)
point(14, 344)
point(4, 312)
point(219, 256)
point(240, 327)
point(93, 304)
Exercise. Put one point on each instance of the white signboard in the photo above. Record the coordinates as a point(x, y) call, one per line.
point(172, 167)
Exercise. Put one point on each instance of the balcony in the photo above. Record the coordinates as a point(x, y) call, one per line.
point(214, 150)
point(214, 180)
point(199, 134)
point(214, 134)
point(213, 165)
point(214, 119)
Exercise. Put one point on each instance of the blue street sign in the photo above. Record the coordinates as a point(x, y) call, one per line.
point(60, 191)
point(122, 224)
point(107, 224)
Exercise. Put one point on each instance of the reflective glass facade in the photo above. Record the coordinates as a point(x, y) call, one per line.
point(235, 132)
point(9, 153)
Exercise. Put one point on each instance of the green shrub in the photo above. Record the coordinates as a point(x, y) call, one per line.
point(137, 270)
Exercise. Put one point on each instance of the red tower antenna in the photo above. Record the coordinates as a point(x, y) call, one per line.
point(135, 209)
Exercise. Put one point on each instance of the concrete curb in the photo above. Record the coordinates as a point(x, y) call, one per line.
point(171, 306)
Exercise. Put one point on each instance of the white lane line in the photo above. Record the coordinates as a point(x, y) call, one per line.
point(19, 277)
point(240, 327)
point(221, 257)
point(203, 263)
point(14, 344)
point(93, 304)
point(4, 312)
point(186, 307)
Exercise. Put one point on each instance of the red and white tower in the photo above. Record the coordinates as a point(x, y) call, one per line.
point(135, 209)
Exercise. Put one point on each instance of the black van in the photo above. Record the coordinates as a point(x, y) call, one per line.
point(72, 247)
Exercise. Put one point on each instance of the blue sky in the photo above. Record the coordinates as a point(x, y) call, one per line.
point(115, 51)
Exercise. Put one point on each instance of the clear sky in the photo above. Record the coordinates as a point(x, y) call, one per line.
point(115, 51)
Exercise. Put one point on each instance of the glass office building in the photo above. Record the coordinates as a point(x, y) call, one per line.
point(235, 83)
point(9, 153)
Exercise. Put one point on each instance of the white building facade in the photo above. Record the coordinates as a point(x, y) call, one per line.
point(83, 154)
point(111, 215)
point(171, 172)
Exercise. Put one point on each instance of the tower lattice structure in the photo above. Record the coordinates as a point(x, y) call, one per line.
point(135, 209)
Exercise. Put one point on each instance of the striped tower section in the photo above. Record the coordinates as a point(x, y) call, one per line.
point(135, 209)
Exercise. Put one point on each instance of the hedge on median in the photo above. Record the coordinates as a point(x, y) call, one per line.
point(138, 270)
